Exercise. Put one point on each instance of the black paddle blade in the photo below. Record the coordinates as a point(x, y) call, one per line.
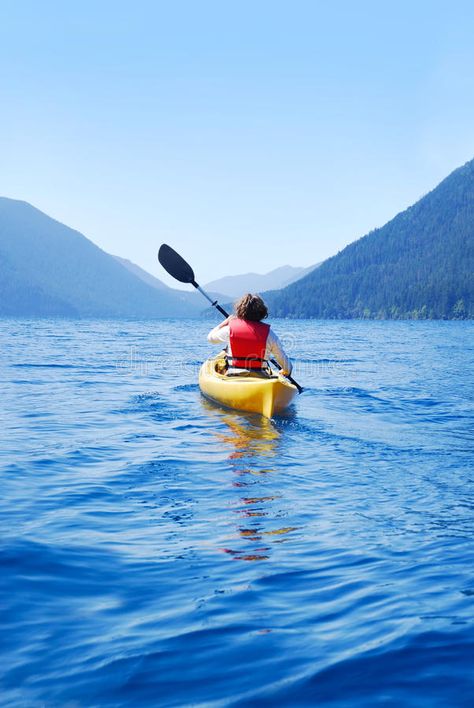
point(175, 265)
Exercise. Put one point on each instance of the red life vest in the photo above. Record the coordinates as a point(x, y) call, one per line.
point(248, 341)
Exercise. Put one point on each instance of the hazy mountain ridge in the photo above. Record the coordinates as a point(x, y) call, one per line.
point(18, 296)
point(191, 296)
point(419, 265)
point(232, 286)
point(49, 269)
point(142, 274)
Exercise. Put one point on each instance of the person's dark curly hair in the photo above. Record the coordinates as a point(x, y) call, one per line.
point(251, 307)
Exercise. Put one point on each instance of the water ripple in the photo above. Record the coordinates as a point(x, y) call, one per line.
point(157, 550)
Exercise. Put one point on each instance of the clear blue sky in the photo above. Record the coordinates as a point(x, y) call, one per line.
point(247, 134)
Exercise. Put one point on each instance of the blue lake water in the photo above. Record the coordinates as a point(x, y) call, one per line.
point(157, 550)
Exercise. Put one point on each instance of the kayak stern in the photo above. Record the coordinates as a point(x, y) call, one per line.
point(265, 396)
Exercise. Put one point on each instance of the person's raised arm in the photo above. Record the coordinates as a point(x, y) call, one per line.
point(275, 350)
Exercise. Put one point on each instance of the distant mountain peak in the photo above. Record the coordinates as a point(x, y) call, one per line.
point(235, 285)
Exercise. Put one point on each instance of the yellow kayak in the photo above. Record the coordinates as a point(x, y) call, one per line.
point(245, 393)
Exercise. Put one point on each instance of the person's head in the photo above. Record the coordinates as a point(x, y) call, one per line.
point(251, 307)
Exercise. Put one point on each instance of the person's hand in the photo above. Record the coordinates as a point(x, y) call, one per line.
point(226, 321)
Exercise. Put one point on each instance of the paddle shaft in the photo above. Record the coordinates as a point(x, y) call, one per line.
point(214, 303)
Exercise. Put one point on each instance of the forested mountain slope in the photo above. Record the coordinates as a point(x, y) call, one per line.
point(419, 265)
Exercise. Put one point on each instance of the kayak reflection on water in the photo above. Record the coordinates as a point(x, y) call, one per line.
point(251, 439)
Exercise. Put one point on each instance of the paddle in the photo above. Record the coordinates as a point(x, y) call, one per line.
point(177, 267)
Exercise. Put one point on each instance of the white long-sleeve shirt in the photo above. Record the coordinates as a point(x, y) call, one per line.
point(273, 350)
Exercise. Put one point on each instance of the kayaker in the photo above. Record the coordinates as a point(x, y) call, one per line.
point(250, 342)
